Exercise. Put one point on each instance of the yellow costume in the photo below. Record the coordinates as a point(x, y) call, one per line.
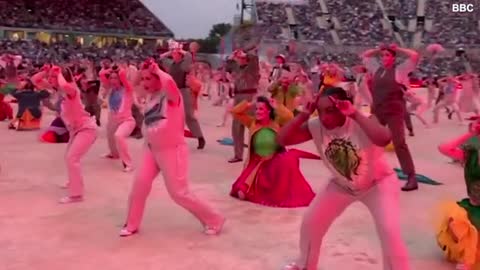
point(457, 232)
point(286, 94)
point(457, 237)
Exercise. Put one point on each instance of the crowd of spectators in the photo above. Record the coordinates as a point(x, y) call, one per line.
point(36, 53)
point(308, 28)
point(450, 28)
point(118, 16)
point(360, 24)
point(273, 17)
point(361, 21)
point(402, 9)
point(441, 65)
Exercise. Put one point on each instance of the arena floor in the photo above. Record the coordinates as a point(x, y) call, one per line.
point(38, 233)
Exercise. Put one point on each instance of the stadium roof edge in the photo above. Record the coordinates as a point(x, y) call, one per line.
point(99, 33)
point(166, 27)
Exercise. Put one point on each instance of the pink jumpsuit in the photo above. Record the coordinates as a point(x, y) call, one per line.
point(83, 133)
point(166, 151)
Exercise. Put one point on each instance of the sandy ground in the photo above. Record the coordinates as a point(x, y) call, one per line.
point(38, 233)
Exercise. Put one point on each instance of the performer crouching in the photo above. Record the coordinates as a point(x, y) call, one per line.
point(165, 151)
point(120, 120)
point(82, 129)
point(351, 146)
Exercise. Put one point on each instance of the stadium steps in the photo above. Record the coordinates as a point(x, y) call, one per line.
point(290, 18)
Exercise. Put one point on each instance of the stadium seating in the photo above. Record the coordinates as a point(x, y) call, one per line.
point(449, 28)
point(360, 21)
point(118, 16)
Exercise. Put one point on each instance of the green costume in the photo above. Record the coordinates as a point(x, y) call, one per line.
point(265, 142)
point(472, 171)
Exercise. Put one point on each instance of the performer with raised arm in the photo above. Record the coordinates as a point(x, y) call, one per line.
point(120, 120)
point(457, 233)
point(82, 128)
point(451, 94)
point(351, 147)
point(469, 97)
point(388, 99)
point(246, 78)
point(179, 69)
point(165, 151)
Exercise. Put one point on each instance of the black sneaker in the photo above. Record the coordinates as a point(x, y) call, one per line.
point(201, 143)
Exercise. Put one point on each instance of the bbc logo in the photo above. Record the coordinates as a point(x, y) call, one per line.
point(462, 8)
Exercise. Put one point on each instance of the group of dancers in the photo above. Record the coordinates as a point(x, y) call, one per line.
point(280, 107)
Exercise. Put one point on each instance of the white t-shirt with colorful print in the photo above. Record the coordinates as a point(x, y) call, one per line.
point(355, 162)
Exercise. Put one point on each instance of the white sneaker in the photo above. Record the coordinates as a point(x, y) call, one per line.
point(127, 169)
point(70, 199)
point(292, 266)
point(125, 233)
point(214, 230)
point(64, 185)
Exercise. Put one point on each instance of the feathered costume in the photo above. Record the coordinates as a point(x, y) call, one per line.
point(285, 92)
point(457, 233)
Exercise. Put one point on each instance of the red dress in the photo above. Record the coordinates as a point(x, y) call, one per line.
point(274, 180)
point(6, 111)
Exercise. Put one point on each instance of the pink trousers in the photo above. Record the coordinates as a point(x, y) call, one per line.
point(117, 134)
point(173, 163)
point(77, 147)
point(382, 201)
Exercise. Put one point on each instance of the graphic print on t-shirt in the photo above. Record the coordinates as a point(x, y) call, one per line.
point(344, 157)
point(156, 112)
point(115, 100)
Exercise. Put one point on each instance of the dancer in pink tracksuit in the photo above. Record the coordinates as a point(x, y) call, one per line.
point(165, 151)
point(120, 120)
point(82, 129)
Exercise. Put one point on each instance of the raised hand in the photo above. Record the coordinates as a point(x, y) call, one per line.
point(344, 106)
point(46, 67)
point(393, 47)
point(56, 70)
point(311, 105)
point(154, 68)
point(147, 64)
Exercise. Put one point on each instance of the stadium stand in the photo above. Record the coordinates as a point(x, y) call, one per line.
point(360, 22)
point(449, 28)
point(96, 16)
point(367, 23)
